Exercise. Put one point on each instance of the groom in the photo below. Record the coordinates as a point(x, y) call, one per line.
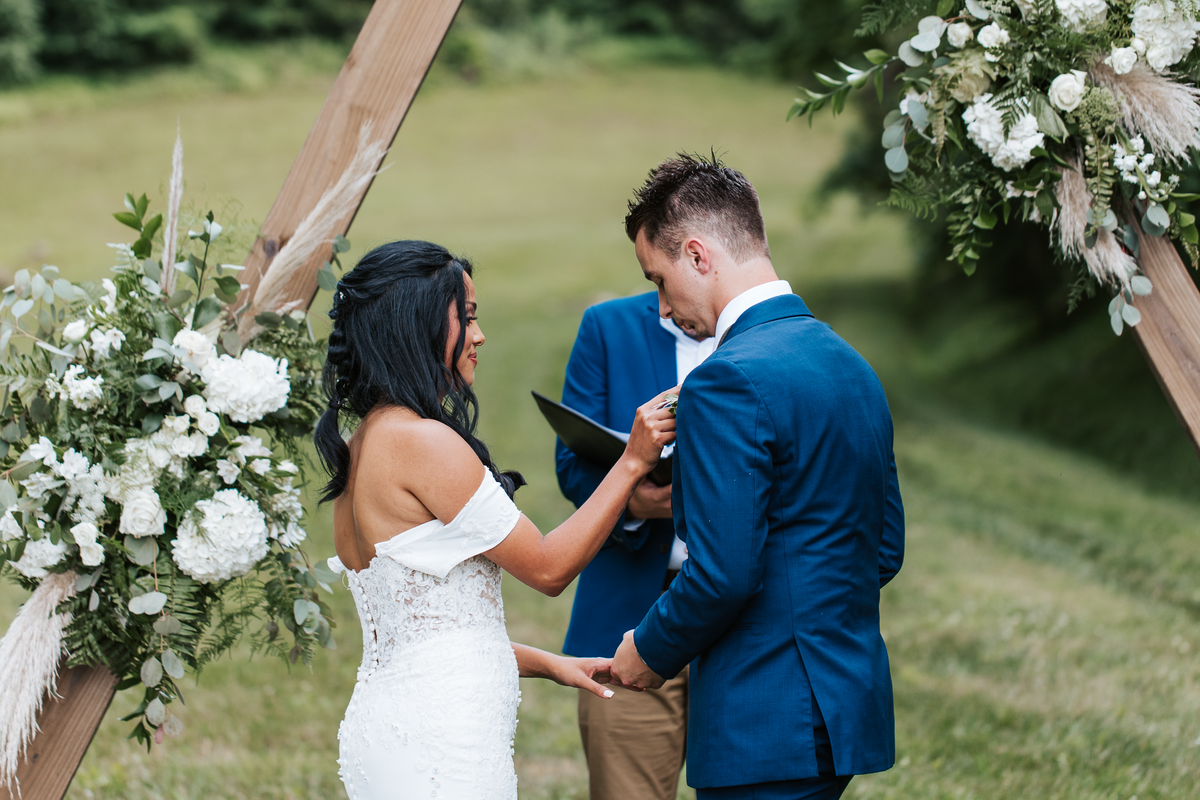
point(785, 492)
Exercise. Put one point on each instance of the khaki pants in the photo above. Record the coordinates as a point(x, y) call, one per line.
point(635, 742)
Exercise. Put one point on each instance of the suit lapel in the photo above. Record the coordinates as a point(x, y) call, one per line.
point(662, 349)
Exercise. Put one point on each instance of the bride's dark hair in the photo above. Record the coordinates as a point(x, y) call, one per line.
point(391, 322)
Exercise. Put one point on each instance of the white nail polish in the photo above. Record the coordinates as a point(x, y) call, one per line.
point(608, 692)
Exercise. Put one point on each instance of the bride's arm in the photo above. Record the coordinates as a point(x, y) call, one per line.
point(586, 673)
point(549, 563)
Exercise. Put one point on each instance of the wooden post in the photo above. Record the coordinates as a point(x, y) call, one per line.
point(67, 724)
point(377, 85)
point(1169, 333)
point(386, 67)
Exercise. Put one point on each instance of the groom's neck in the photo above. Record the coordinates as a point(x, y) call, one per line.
point(734, 279)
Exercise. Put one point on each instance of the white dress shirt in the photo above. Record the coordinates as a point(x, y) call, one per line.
point(742, 303)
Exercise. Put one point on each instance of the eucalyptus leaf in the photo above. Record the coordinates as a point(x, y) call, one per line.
point(207, 310)
point(94, 601)
point(156, 712)
point(151, 672)
point(85, 580)
point(300, 610)
point(910, 56)
point(147, 382)
point(1117, 324)
point(976, 10)
point(918, 114)
point(142, 551)
point(173, 726)
point(180, 297)
point(323, 573)
point(37, 285)
point(926, 42)
point(896, 159)
point(64, 289)
point(328, 281)
point(231, 342)
point(268, 319)
point(1156, 220)
point(172, 664)
point(1114, 305)
point(893, 137)
point(21, 279)
point(22, 307)
point(1140, 285)
point(166, 325)
point(167, 626)
point(8, 495)
point(1129, 237)
point(1131, 315)
point(892, 118)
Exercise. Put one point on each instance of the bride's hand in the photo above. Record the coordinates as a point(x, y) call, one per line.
point(585, 673)
point(653, 429)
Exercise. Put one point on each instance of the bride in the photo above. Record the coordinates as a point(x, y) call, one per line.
point(423, 524)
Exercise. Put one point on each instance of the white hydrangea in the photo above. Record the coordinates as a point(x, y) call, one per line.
point(1082, 14)
point(84, 392)
point(73, 465)
point(248, 387)
point(9, 527)
point(247, 447)
point(286, 506)
point(103, 341)
point(1129, 161)
point(228, 470)
point(1166, 29)
point(87, 495)
point(198, 349)
point(223, 539)
point(985, 127)
point(90, 551)
point(38, 556)
point(40, 484)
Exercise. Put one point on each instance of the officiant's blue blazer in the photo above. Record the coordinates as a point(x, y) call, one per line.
point(785, 492)
point(622, 357)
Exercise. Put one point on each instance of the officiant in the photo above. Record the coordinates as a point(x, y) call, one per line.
point(635, 743)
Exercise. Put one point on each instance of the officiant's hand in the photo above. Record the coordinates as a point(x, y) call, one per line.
point(653, 429)
point(650, 501)
point(630, 671)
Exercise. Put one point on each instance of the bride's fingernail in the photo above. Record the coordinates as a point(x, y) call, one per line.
point(608, 692)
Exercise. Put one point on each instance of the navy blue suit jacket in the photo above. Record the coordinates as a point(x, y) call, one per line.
point(622, 357)
point(785, 492)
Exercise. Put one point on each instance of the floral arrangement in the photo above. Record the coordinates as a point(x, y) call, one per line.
point(1079, 115)
point(152, 457)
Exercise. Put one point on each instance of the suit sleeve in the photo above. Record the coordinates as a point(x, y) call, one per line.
point(723, 483)
point(585, 389)
point(891, 545)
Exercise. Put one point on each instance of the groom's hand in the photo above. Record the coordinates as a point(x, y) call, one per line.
point(630, 671)
point(650, 501)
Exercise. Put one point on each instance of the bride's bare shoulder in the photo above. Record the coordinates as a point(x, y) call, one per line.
point(399, 437)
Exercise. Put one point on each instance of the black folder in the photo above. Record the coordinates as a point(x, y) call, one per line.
point(592, 441)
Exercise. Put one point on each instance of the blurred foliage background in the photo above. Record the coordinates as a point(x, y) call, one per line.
point(1042, 632)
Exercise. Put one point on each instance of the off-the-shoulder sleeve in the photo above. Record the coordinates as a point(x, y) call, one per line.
point(487, 518)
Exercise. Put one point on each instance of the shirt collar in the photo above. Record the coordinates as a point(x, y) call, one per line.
point(742, 303)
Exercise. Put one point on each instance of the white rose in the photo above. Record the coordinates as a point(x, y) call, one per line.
point(75, 330)
point(195, 406)
point(199, 444)
point(158, 456)
point(181, 446)
point(208, 423)
point(85, 534)
point(1122, 60)
point(1082, 14)
point(1067, 90)
point(176, 425)
point(1138, 45)
point(142, 514)
point(228, 470)
point(959, 34)
point(260, 466)
point(993, 35)
point(198, 350)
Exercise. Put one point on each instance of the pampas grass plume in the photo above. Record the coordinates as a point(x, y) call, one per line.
point(174, 198)
point(1106, 260)
point(1164, 112)
point(29, 656)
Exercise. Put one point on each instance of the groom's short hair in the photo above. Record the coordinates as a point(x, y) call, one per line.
point(690, 193)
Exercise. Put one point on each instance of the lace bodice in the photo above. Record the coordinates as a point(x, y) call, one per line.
point(434, 711)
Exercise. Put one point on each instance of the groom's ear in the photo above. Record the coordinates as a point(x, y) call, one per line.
point(698, 255)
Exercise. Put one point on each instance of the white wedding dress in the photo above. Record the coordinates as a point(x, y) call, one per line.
point(435, 708)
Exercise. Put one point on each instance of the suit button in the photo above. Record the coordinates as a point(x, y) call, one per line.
point(664, 548)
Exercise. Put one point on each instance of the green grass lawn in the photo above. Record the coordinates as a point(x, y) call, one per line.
point(1043, 627)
